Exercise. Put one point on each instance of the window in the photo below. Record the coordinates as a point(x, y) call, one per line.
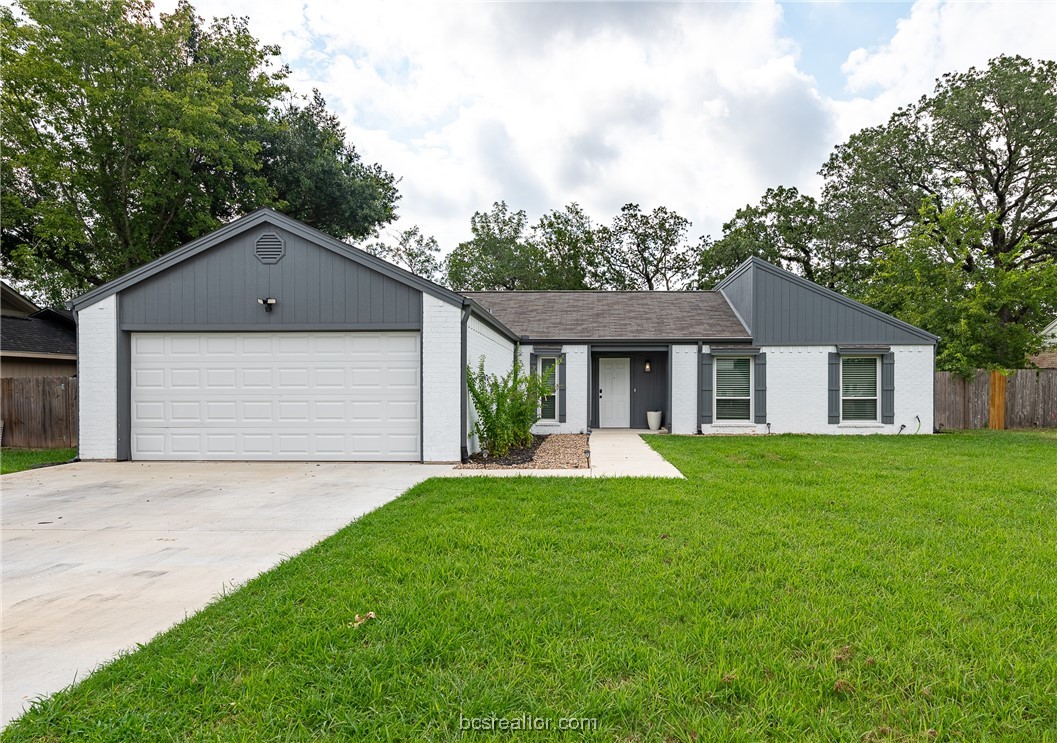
point(858, 388)
point(733, 389)
point(549, 403)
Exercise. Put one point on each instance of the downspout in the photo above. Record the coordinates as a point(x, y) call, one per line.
point(697, 427)
point(464, 449)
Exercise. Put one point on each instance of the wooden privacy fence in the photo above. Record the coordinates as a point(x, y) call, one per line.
point(1026, 398)
point(39, 412)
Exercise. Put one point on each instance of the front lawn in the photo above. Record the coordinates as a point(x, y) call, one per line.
point(830, 588)
point(16, 460)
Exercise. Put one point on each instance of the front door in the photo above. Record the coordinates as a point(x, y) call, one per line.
point(614, 393)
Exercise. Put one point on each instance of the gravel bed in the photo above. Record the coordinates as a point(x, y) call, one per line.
point(558, 451)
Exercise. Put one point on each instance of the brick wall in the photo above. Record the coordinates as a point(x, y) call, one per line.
point(97, 372)
point(442, 371)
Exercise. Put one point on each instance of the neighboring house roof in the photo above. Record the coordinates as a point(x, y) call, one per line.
point(614, 315)
point(1049, 334)
point(13, 303)
point(44, 332)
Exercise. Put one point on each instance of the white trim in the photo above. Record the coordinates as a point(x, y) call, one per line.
point(716, 420)
point(862, 422)
point(556, 357)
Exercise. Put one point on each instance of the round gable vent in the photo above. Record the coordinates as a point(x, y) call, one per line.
point(270, 248)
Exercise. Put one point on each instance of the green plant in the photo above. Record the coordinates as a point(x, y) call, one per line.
point(507, 405)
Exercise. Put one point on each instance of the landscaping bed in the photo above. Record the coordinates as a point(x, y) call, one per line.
point(556, 451)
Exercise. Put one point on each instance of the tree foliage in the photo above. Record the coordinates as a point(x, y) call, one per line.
point(986, 140)
point(498, 256)
point(989, 316)
point(127, 135)
point(646, 250)
point(786, 228)
point(319, 178)
point(413, 250)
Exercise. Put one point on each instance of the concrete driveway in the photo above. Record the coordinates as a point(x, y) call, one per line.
point(100, 556)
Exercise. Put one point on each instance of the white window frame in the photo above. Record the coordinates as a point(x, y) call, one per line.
point(877, 391)
point(554, 379)
point(716, 420)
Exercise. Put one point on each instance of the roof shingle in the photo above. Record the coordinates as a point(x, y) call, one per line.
point(42, 332)
point(614, 315)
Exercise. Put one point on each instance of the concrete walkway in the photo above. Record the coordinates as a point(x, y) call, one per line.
point(615, 452)
point(623, 453)
point(100, 556)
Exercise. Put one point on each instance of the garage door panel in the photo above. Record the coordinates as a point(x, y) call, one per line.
point(338, 396)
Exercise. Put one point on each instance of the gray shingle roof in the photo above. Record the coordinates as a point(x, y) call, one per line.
point(43, 332)
point(606, 315)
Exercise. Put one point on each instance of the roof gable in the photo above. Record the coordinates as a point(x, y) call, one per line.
point(781, 308)
point(256, 219)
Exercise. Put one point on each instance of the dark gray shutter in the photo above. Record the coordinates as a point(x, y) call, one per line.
point(706, 388)
point(888, 388)
point(533, 363)
point(760, 397)
point(561, 388)
point(834, 388)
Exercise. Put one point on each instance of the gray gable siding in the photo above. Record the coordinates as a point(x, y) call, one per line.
point(789, 310)
point(314, 287)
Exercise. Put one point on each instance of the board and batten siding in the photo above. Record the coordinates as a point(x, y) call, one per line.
point(780, 308)
point(315, 288)
point(482, 342)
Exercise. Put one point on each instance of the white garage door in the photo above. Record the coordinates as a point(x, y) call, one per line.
point(315, 396)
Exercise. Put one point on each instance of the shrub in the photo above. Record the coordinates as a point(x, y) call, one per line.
point(507, 406)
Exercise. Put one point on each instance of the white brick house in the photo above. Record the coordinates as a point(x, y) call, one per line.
point(269, 340)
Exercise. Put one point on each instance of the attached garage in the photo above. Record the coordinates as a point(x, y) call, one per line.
point(275, 396)
point(268, 340)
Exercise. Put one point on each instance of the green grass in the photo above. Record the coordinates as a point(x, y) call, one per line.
point(827, 588)
point(16, 460)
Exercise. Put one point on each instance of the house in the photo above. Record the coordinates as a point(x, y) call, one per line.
point(35, 342)
point(269, 340)
point(1047, 357)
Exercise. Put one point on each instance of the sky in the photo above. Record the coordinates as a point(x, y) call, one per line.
point(699, 107)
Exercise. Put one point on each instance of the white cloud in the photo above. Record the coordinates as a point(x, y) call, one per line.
point(698, 107)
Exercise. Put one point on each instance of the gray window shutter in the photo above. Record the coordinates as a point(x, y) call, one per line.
point(706, 388)
point(888, 388)
point(834, 388)
point(533, 363)
point(760, 394)
point(561, 388)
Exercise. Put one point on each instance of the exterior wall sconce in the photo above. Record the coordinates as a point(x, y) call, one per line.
point(647, 367)
point(268, 303)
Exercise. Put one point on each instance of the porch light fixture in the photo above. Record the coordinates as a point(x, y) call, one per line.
point(268, 303)
point(647, 367)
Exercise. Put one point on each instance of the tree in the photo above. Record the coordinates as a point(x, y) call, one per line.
point(320, 179)
point(986, 140)
point(988, 316)
point(414, 251)
point(127, 135)
point(568, 250)
point(498, 256)
point(786, 228)
point(646, 251)
point(123, 136)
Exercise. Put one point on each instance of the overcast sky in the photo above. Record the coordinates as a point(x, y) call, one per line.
point(698, 107)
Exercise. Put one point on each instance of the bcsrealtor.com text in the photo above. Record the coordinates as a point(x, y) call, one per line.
point(527, 722)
